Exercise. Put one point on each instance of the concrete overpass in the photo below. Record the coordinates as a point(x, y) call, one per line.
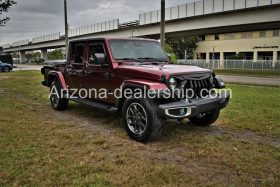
point(204, 17)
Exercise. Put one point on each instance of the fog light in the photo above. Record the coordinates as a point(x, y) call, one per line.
point(178, 112)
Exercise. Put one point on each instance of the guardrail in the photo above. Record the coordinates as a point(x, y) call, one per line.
point(235, 64)
point(20, 43)
point(94, 28)
point(48, 37)
point(6, 46)
point(203, 7)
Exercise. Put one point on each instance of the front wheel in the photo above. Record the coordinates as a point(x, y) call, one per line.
point(141, 120)
point(57, 101)
point(6, 69)
point(206, 119)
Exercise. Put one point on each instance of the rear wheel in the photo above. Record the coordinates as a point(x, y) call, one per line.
point(57, 101)
point(141, 120)
point(206, 119)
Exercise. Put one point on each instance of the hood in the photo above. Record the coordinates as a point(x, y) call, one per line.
point(5, 64)
point(157, 71)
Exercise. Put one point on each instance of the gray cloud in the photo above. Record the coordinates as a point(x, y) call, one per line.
point(31, 18)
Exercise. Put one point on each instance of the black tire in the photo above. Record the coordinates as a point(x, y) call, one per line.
point(206, 119)
point(57, 101)
point(6, 69)
point(153, 125)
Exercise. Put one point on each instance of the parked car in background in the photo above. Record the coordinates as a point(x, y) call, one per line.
point(4, 67)
point(8, 59)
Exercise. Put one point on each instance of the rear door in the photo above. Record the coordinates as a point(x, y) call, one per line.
point(75, 67)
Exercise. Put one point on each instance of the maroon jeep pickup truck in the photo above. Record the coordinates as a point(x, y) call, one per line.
point(136, 78)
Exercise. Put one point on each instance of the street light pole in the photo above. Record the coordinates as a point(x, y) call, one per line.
point(66, 25)
point(162, 24)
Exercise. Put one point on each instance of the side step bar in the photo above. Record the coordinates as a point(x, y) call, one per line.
point(95, 104)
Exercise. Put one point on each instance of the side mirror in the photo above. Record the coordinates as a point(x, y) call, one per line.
point(100, 58)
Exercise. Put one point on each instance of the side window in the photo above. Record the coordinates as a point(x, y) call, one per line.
point(77, 53)
point(94, 50)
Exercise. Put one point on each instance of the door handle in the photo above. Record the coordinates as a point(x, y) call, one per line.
point(70, 70)
point(69, 66)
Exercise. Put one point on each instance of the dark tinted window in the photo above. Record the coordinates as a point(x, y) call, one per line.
point(77, 53)
point(217, 37)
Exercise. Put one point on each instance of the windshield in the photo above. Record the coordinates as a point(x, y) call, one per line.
point(137, 49)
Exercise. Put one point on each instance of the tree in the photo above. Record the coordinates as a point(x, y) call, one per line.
point(33, 56)
point(4, 7)
point(55, 54)
point(170, 51)
point(180, 44)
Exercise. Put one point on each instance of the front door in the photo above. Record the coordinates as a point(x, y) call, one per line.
point(98, 77)
point(75, 68)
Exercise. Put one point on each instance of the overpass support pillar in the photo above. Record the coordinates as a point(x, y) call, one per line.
point(44, 54)
point(207, 57)
point(255, 58)
point(222, 63)
point(275, 57)
point(22, 57)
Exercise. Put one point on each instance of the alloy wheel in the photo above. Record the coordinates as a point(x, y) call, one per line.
point(136, 118)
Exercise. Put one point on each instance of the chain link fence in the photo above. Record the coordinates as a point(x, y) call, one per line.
point(235, 64)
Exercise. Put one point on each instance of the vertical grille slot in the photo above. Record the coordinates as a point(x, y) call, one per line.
point(198, 86)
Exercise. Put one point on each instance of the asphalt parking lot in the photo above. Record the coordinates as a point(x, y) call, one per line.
point(24, 67)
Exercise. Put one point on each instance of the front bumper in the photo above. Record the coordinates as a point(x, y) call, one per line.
point(193, 107)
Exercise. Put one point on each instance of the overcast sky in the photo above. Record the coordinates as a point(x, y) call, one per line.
point(31, 18)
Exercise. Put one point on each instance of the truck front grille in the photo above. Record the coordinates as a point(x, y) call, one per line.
point(196, 88)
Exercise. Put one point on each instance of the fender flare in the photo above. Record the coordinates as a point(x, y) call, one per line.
point(59, 76)
point(142, 84)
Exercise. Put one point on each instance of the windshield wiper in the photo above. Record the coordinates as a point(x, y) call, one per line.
point(148, 58)
point(129, 59)
point(159, 61)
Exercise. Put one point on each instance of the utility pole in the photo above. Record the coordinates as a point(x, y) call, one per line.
point(66, 25)
point(162, 24)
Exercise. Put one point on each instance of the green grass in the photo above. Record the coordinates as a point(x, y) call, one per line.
point(87, 147)
point(253, 73)
point(255, 108)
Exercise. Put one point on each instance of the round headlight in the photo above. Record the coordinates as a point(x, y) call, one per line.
point(172, 83)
